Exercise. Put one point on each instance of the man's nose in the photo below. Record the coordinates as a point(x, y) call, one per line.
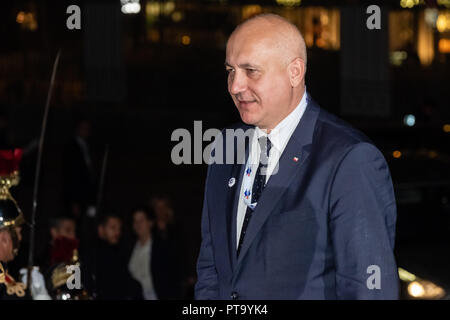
point(238, 83)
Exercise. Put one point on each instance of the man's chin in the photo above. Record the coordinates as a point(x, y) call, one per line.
point(248, 119)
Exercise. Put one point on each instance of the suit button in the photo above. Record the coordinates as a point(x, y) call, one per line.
point(234, 296)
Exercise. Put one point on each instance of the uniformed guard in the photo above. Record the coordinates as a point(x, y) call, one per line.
point(11, 219)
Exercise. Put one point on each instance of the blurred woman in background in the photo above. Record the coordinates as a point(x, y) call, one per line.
point(153, 262)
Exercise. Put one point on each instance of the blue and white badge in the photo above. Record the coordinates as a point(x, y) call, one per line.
point(231, 182)
point(248, 187)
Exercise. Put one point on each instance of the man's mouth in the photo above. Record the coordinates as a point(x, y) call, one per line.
point(245, 103)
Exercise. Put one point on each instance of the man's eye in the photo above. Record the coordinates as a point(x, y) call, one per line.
point(251, 71)
point(228, 70)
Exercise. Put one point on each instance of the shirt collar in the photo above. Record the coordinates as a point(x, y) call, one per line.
point(280, 135)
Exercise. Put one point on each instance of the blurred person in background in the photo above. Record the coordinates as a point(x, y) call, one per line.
point(62, 251)
point(108, 277)
point(79, 181)
point(164, 214)
point(167, 228)
point(63, 242)
point(153, 263)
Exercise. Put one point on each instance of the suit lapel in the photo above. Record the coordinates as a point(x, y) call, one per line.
point(298, 147)
point(237, 172)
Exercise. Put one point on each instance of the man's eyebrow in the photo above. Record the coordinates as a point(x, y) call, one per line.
point(244, 65)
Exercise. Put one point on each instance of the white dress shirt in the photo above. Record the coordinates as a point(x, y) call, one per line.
point(139, 267)
point(279, 137)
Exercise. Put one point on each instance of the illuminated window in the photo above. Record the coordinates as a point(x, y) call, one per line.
point(27, 20)
point(401, 26)
point(320, 26)
point(404, 43)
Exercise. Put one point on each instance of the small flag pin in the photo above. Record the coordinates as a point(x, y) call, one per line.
point(295, 159)
point(231, 182)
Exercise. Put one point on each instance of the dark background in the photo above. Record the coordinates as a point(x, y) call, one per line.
point(137, 81)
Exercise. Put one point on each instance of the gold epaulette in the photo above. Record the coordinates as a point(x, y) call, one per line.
point(12, 287)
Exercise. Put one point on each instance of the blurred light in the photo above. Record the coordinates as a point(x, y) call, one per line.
point(152, 9)
point(446, 127)
point(168, 8)
point(186, 40)
point(405, 275)
point(444, 45)
point(20, 17)
point(177, 16)
point(409, 120)
point(431, 15)
point(409, 3)
point(443, 22)
point(153, 35)
point(396, 154)
point(415, 289)
point(289, 3)
point(433, 154)
point(445, 3)
point(425, 290)
point(250, 10)
point(27, 20)
point(397, 57)
point(130, 6)
point(65, 296)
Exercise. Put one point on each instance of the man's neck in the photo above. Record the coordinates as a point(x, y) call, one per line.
point(296, 101)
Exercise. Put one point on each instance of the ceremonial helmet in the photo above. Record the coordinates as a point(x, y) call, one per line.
point(10, 214)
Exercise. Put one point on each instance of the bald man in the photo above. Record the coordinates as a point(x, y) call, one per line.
point(309, 212)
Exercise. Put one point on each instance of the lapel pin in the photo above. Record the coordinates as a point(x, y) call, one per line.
point(295, 159)
point(231, 182)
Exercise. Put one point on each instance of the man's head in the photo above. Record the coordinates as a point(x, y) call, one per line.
point(110, 229)
point(162, 207)
point(266, 65)
point(62, 227)
point(7, 245)
point(143, 221)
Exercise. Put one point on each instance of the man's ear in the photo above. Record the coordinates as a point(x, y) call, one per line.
point(296, 71)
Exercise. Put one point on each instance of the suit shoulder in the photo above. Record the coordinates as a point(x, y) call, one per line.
point(333, 132)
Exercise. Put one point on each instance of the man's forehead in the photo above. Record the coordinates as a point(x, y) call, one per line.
point(248, 51)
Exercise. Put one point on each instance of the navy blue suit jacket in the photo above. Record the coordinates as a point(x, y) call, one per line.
point(321, 223)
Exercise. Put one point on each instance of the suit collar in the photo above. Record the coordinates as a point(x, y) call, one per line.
point(280, 135)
